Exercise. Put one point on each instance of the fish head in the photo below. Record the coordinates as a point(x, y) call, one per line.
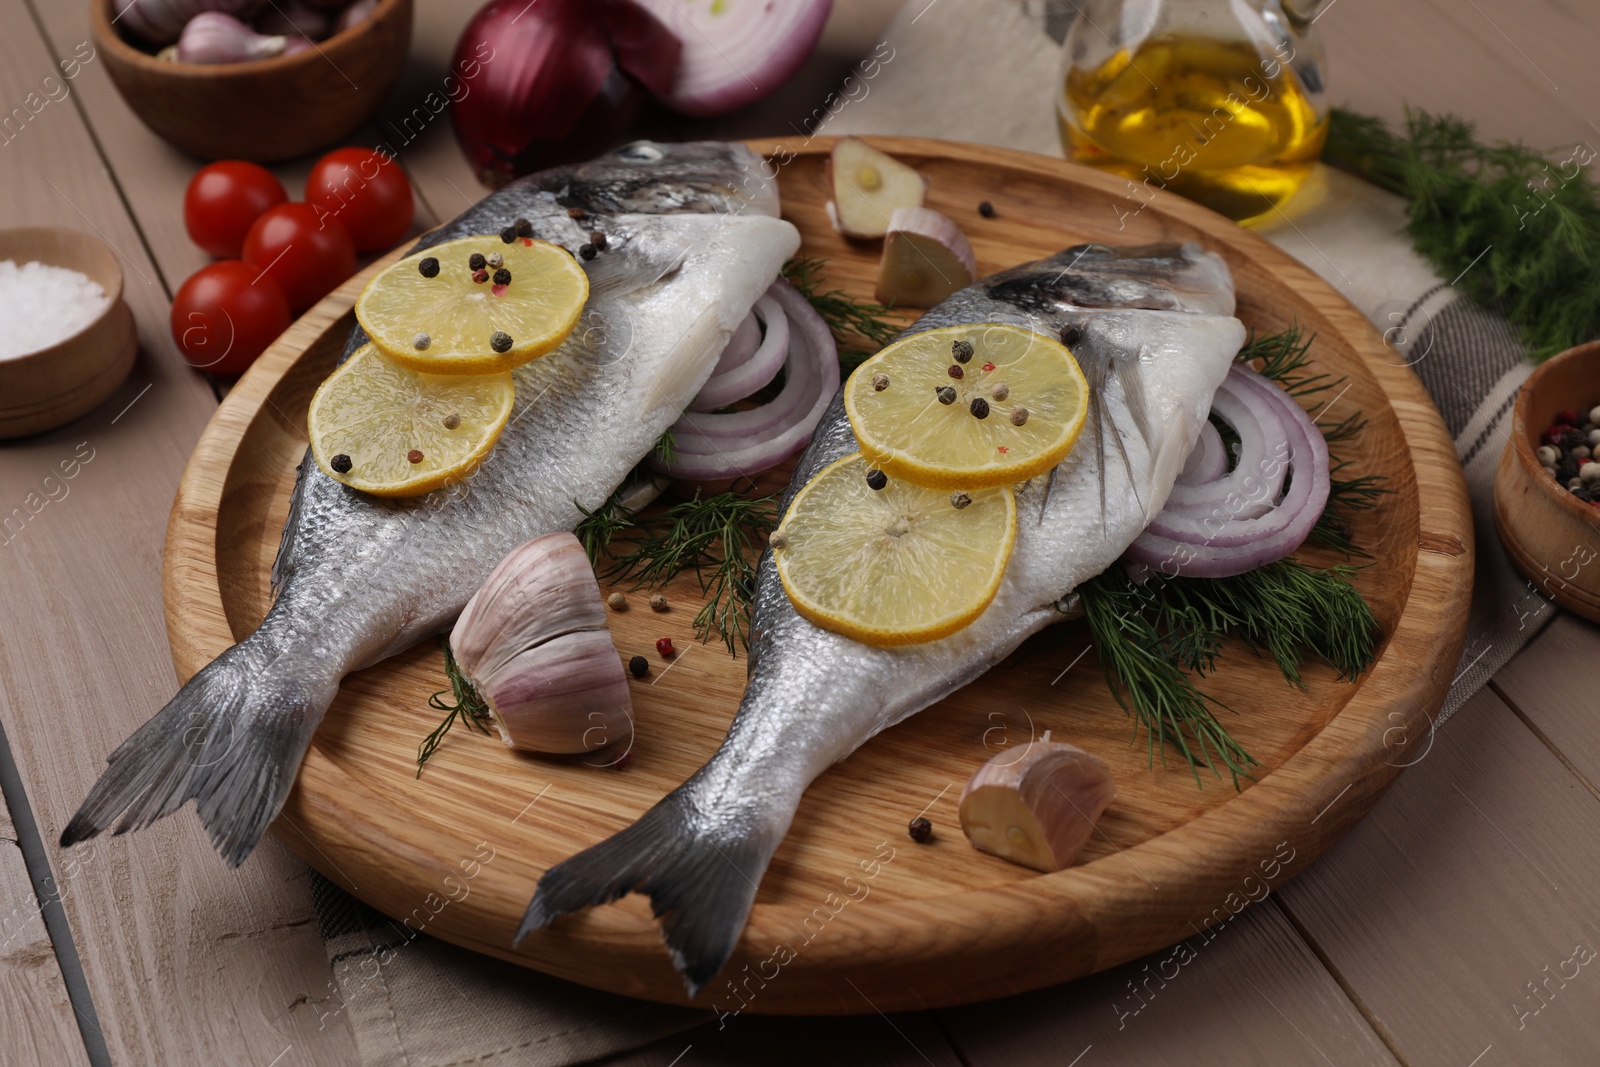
point(659, 178)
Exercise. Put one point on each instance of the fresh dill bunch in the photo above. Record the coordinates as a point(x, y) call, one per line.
point(666, 446)
point(1518, 231)
point(1142, 667)
point(596, 529)
point(468, 707)
point(720, 539)
point(860, 327)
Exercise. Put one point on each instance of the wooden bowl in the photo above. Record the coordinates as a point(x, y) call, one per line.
point(268, 109)
point(55, 385)
point(1549, 534)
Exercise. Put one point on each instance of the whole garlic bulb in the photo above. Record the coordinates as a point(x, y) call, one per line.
point(217, 38)
point(534, 643)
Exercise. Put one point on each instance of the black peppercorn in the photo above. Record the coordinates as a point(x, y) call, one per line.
point(586, 251)
point(500, 341)
point(429, 268)
point(508, 234)
point(876, 479)
point(638, 666)
point(986, 209)
point(476, 261)
point(921, 830)
point(340, 463)
point(523, 228)
point(598, 239)
point(946, 394)
point(979, 408)
point(502, 277)
point(961, 351)
point(1071, 335)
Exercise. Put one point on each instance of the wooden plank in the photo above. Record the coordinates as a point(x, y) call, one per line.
point(36, 1016)
point(1520, 70)
point(898, 1040)
point(1462, 912)
point(1247, 991)
point(187, 962)
point(1550, 686)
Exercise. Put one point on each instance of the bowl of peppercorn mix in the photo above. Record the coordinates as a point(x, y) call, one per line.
point(1547, 487)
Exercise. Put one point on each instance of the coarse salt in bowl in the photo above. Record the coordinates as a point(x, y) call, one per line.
point(42, 305)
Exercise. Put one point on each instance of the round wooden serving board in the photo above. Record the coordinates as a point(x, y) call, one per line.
point(852, 915)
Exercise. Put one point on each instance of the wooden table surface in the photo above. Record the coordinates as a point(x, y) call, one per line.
point(1452, 927)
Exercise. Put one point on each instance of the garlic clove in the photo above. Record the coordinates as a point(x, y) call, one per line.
point(567, 694)
point(1036, 808)
point(544, 588)
point(212, 37)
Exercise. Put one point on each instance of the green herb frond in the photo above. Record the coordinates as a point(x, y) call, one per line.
point(468, 706)
point(860, 327)
point(1515, 227)
point(720, 539)
point(596, 529)
point(666, 446)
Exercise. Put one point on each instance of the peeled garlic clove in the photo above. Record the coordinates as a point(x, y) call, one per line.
point(544, 588)
point(533, 642)
point(926, 257)
point(568, 694)
point(1037, 807)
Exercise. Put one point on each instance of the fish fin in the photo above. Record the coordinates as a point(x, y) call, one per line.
point(1127, 373)
point(231, 740)
point(701, 883)
point(640, 261)
point(283, 562)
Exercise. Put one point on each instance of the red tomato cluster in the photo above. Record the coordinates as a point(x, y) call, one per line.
point(276, 257)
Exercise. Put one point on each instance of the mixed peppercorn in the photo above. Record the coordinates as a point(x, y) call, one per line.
point(1567, 453)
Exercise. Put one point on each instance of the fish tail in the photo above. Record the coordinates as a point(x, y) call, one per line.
point(231, 740)
point(700, 875)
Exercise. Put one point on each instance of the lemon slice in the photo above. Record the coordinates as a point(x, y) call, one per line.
point(968, 406)
point(892, 566)
point(428, 313)
point(387, 430)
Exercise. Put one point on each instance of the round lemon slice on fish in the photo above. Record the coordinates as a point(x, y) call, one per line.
point(387, 430)
point(891, 563)
point(474, 305)
point(966, 407)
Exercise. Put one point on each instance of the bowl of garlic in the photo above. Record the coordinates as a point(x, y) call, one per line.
point(249, 79)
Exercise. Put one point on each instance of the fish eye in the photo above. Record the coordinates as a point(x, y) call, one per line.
point(640, 152)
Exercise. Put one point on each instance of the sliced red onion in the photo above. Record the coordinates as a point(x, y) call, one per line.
point(742, 345)
point(711, 447)
point(1208, 461)
point(754, 372)
point(1248, 523)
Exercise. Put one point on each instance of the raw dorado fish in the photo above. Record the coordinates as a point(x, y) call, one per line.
point(692, 241)
point(1155, 337)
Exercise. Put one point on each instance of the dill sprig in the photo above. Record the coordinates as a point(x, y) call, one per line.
point(666, 446)
point(596, 529)
point(1155, 637)
point(468, 707)
point(860, 327)
point(717, 537)
point(1517, 230)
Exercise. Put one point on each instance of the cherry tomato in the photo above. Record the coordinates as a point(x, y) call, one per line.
point(366, 191)
point(222, 202)
point(226, 314)
point(307, 257)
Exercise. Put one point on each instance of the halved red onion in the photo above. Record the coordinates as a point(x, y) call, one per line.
point(1208, 461)
point(1240, 521)
point(738, 444)
point(754, 371)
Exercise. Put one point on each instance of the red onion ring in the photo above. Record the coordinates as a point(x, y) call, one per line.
point(1226, 540)
point(1208, 461)
point(754, 371)
point(710, 447)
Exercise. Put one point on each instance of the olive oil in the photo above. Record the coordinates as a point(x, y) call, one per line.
point(1213, 120)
